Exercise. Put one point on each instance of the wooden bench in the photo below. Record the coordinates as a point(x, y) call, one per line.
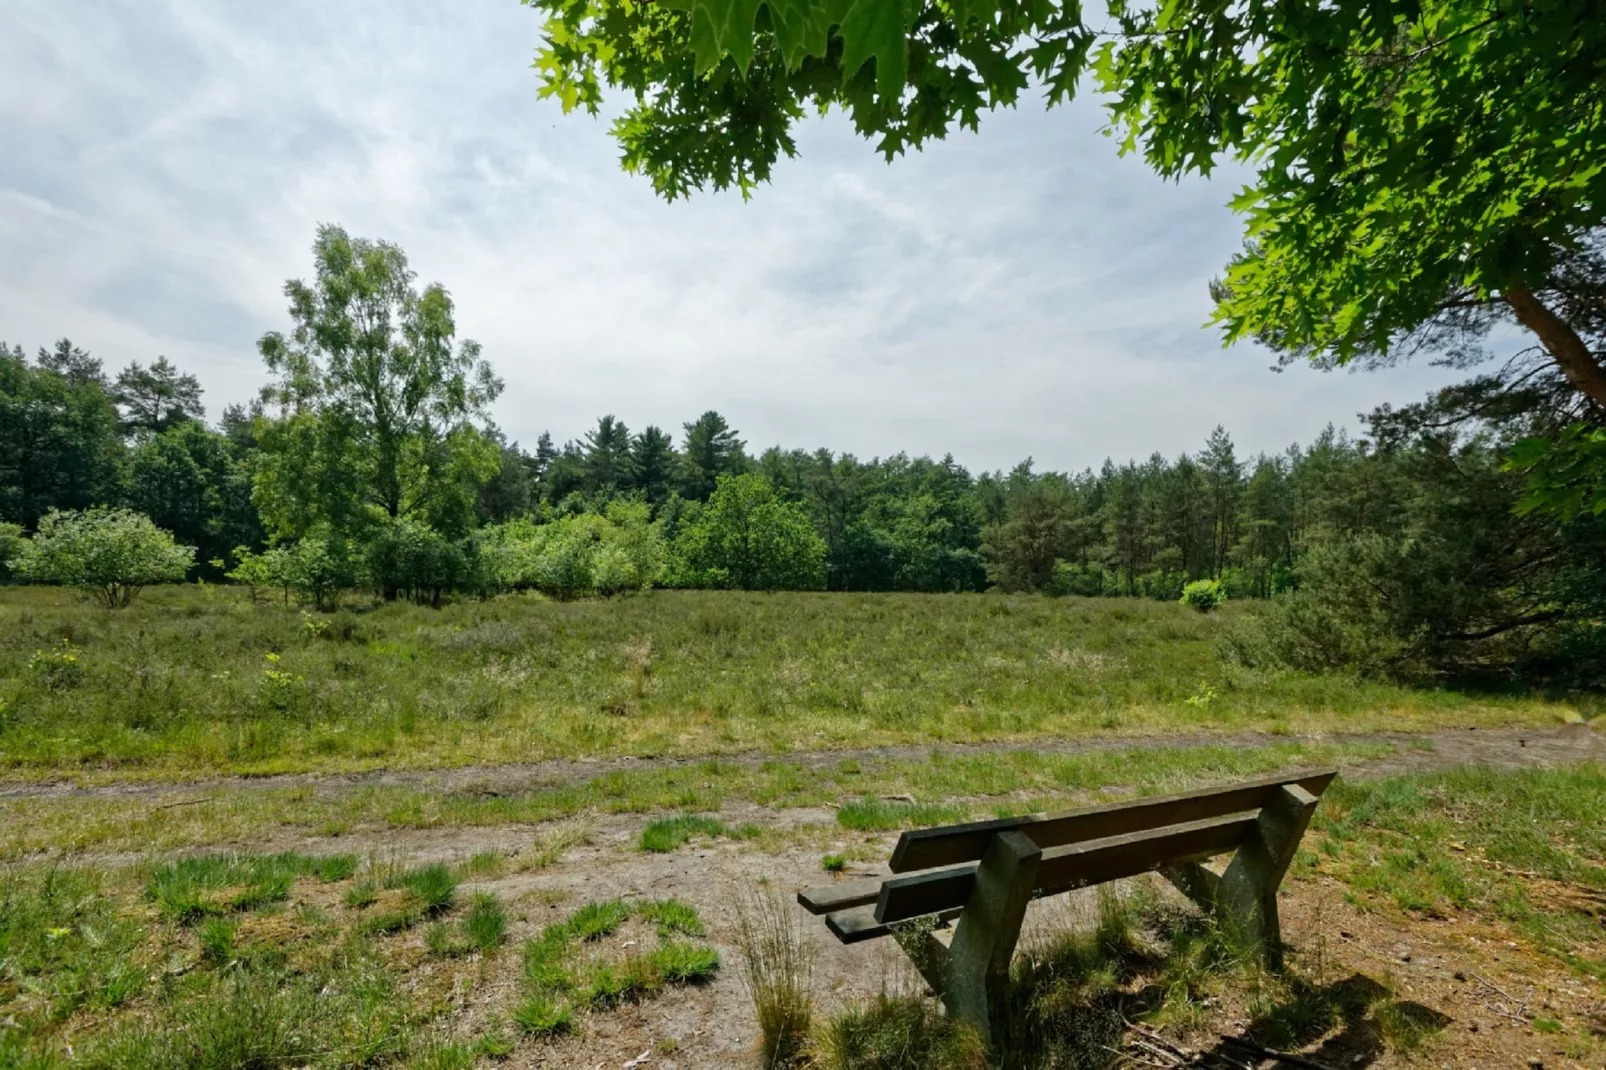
point(985, 872)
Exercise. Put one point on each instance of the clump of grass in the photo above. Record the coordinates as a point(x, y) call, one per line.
point(558, 977)
point(485, 924)
point(332, 869)
point(669, 833)
point(206, 885)
point(833, 863)
point(870, 814)
point(682, 962)
point(427, 891)
point(776, 970)
point(216, 937)
point(672, 917)
point(483, 927)
point(362, 894)
point(433, 887)
point(438, 1054)
point(548, 848)
point(485, 864)
point(540, 1015)
point(596, 920)
point(899, 1033)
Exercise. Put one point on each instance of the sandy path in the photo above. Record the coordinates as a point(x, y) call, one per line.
point(1417, 751)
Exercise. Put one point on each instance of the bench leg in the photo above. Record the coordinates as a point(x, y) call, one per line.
point(1246, 894)
point(984, 940)
point(1194, 881)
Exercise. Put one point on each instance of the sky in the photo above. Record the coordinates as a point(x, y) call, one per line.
point(1019, 292)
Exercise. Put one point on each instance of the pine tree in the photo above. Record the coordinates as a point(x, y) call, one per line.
point(711, 450)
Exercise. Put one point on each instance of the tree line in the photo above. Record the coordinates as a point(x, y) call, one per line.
point(370, 460)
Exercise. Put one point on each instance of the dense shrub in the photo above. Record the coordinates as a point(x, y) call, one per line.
point(407, 558)
point(11, 542)
point(748, 537)
point(315, 568)
point(112, 553)
point(1204, 595)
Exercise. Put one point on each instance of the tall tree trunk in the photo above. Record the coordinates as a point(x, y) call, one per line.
point(1568, 350)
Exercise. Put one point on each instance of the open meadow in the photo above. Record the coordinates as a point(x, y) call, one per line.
point(524, 832)
point(194, 681)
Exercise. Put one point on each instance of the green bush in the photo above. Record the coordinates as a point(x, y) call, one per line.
point(407, 558)
point(11, 544)
point(1204, 595)
point(113, 553)
point(750, 538)
point(316, 568)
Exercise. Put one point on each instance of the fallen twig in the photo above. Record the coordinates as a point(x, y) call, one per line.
point(183, 802)
point(1281, 1056)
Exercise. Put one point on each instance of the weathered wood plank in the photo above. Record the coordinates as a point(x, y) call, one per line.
point(1070, 866)
point(839, 896)
point(920, 849)
point(859, 924)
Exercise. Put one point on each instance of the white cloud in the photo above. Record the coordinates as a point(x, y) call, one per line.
point(1019, 292)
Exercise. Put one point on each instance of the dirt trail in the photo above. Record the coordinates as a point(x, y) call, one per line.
point(1416, 752)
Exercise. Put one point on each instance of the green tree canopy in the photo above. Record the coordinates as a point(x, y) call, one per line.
point(1424, 169)
point(112, 553)
point(381, 407)
point(158, 397)
point(711, 450)
point(59, 447)
point(748, 537)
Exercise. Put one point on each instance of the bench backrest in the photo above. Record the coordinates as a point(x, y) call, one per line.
point(949, 845)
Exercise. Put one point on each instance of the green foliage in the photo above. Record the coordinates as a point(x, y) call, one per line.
point(1567, 475)
point(1395, 196)
point(316, 567)
point(196, 484)
point(407, 557)
point(596, 920)
point(542, 1016)
point(63, 941)
point(482, 928)
point(112, 553)
point(681, 962)
point(11, 542)
point(433, 887)
point(59, 447)
point(747, 537)
point(380, 405)
point(158, 398)
point(1206, 596)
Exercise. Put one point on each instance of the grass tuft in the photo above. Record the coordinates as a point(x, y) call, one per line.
point(777, 968)
point(870, 814)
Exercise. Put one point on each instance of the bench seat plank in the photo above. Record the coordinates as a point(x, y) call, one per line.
point(1069, 866)
point(922, 849)
point(841, 895)
point(858, 924)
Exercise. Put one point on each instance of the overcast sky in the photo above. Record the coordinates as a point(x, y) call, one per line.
point(1018, 292)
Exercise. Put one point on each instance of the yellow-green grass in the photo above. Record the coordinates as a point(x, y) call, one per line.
point(100, 959)
point(202, 681)
point(986, 783)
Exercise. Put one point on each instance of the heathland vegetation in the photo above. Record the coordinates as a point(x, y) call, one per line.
point(370, 463)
